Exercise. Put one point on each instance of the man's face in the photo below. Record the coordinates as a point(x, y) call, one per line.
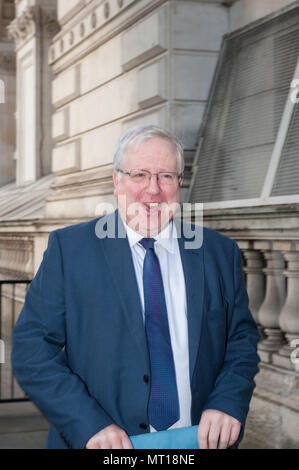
point(149, 206)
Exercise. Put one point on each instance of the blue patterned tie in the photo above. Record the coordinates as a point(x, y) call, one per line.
point(163, 407)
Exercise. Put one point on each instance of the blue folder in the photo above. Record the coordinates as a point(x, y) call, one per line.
point(178, 438)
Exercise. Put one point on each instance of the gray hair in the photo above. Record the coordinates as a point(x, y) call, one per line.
point(137, 135)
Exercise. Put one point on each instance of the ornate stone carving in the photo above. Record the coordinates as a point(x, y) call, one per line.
point(106, 10)
point(82, 30)
point(71, 38)
point(95, 17)
point(94, 20)
point(50, 24)
point(33, 20)
point(25, 25)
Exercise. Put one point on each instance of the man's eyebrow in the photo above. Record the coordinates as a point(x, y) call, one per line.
point(160, 171)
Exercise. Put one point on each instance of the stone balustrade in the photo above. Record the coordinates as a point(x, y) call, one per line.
point(271, 270)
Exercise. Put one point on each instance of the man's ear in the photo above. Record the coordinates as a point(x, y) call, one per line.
point(181, 179)
point(115, 182)
point(115, 178)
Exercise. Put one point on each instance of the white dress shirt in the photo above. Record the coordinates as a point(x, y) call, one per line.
point(168, 253)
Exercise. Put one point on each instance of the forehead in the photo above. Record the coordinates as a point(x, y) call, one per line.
point(154, 151)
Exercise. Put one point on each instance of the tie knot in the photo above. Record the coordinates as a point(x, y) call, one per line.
point(147, 243)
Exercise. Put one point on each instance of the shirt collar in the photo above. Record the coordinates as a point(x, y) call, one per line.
point(165, 238)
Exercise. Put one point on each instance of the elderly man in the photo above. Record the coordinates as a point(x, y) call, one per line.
point(130, 334)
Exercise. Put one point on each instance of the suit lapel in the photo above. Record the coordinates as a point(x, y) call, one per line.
point(193, 266)
point(119, 258)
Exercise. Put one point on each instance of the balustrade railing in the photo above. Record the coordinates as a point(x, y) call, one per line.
point(271, 269)
point(12, 296)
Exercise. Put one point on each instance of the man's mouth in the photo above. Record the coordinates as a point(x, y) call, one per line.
point(152, 207)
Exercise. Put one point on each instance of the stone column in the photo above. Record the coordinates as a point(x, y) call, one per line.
point(289, 317)
point(7, 115)
point(32, 31)
point(255, 280)
point(7, 96)
point(271, 307)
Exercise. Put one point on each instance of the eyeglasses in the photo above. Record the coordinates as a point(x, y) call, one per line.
point(169, 178)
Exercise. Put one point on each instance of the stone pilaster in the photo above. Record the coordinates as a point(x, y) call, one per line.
point(271, 307)
point(7, 96)
point(32, 31)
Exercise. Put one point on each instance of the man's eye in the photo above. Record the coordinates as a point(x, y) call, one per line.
point(167, 176)
point(139, 175)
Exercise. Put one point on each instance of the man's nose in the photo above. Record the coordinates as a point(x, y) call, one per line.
point(153, 185)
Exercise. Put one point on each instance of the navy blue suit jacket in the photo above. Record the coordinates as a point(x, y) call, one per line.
point(79, 346)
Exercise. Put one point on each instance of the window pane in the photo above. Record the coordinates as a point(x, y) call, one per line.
point(245, 110)
point(287, 176)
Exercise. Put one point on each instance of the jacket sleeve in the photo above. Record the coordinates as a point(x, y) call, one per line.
point(235, 382)
point(39, 356)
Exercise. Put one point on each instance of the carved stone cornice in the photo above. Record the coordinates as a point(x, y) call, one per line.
point(51, 26)
point(103, 20)
point(33, 21)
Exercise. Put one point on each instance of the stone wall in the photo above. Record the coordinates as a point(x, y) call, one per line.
point(117, 64)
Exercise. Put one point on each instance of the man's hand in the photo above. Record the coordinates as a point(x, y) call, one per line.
point(216, 426)
point(111, 437)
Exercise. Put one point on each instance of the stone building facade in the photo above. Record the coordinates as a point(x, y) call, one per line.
point(75, 75)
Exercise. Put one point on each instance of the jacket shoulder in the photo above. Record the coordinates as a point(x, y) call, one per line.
point(212, 236)
point(81, 231)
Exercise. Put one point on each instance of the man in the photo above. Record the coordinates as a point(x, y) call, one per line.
point(130, 334)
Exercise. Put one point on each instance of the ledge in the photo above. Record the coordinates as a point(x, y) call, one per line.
point(21, 203)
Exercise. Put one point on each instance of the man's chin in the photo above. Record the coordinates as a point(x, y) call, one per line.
point(148, 229)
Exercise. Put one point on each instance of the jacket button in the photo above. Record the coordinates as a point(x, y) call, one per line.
point(146, 378)
point(143, 426)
